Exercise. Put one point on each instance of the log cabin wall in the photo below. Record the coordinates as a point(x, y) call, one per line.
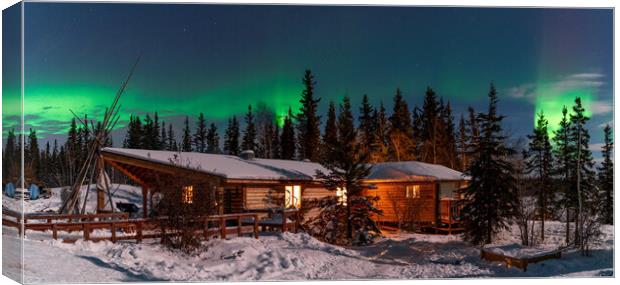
point(397, 207)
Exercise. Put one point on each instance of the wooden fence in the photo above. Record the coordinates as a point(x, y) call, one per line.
point(519, 262)
point(133, 229)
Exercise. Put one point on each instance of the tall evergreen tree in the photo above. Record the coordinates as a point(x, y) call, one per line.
point(366, 124)
point(156, 138)
point(231, 138)
point(565, 163)
point(186, 141)
point(606, 178)
point(491, 196)
point(308, 122)
point(9, 159)
point(163, 144)
point(249, 134)
point(380, 142)
point(275, 142)
point(330, 136)
point(473, 133)
point(400, 136)
point(539, 162)
point(584, 188)
point(462, 144)
point(200, 136)
point(448, 144)
point(147, 133)
point(347, 169)
point(213, 140)
point(33, 156)
point(430, 129)
point(171, 144)
point(287, 139)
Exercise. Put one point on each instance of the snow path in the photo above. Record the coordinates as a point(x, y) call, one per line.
point(289, 257)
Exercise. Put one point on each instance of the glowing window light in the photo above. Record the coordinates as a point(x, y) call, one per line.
point(188, 194)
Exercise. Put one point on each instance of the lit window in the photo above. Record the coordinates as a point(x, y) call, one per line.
point(188, 194)
point(341, 194)
point(413, 191)
point(292, 196)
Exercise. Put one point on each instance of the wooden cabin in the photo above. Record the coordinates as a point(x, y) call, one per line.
point(416, 192)
point(408, 191)
point(242, 183)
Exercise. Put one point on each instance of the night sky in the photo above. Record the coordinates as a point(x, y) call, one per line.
point(218, 59)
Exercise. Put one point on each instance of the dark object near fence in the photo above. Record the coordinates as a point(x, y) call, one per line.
point(127, 207)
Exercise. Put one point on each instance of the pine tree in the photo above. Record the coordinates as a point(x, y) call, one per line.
point(155, 135)
point(330, 136)
point(186, 142)
point(163, 144)
point(200, 136)
point(473, 133)
point(133, 137)
point(33, 156)
point(249, 134)
point(308, 122)
point(147, 133)
point(400, 135)
point(380, 142)
point(347, 169)
point(171, 144)
point(213, 140)
point(491, 196)
point(462, 144)
point(287, 139)
point(584, 188)
point(430, 129)
point(539, 160)
point(367, 124)
point(448, 143)
point(9, 159)
point(563, 152)
point(231, 138)
point(275, 142)
point(606, 178)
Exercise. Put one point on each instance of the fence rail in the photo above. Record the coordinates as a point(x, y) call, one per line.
point(138, 229)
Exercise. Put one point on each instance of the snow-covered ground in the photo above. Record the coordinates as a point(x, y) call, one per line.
point(278, 256)
point(287, 256)
point(121, 193)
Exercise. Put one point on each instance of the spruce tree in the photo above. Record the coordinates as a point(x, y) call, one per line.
point(367, 124)
point(491, 196)
point(448, 143)
point(380, 142)
point(33, 156)
point(539, 163)
point(148, 129)
point(171, 144)
point(400, 135)
point(584, 186)
point(330, 136)
point(231, 137)
point(155, 135)
point(565, 163)
point(275, 142)
point(186, 141)
point(308, 122)
point(430, 129)
point(287, 139)
point(9, 159)
point(163, 144)
point(462, 144)
point(213, 139)
point(249, 134)
point(606, 178)
point(200, 136)
point(347, 169)
point(473, 133)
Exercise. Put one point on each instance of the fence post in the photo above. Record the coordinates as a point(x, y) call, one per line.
point(86, 231)
point(54, 231)
point(113, 229)
point(139, 230)
point(222, 228)
point(256, 226)
point(206, 229)
point(239, 226)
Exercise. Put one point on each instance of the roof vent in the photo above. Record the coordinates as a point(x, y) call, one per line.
point(247, 154)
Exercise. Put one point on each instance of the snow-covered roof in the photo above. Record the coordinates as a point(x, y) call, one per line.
point(228, 166)
point(413, 170)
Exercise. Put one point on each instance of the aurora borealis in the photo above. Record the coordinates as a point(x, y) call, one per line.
point(218, 59)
